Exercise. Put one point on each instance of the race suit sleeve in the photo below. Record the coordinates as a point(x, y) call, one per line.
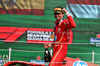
point(70, 21)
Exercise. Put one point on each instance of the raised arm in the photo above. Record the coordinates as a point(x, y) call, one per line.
point(71, 23)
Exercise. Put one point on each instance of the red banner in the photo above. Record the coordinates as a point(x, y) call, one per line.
point(34, 35)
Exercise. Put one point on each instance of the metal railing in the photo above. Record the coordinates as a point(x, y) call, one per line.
point(10, 50)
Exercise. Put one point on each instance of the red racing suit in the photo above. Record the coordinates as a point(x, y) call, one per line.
point(61, 30)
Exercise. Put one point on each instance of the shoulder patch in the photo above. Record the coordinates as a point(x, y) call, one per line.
point(59, 24)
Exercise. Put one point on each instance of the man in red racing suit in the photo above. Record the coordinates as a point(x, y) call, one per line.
point(61, 32)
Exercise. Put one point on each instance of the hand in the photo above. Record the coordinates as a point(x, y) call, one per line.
point(64, 10)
